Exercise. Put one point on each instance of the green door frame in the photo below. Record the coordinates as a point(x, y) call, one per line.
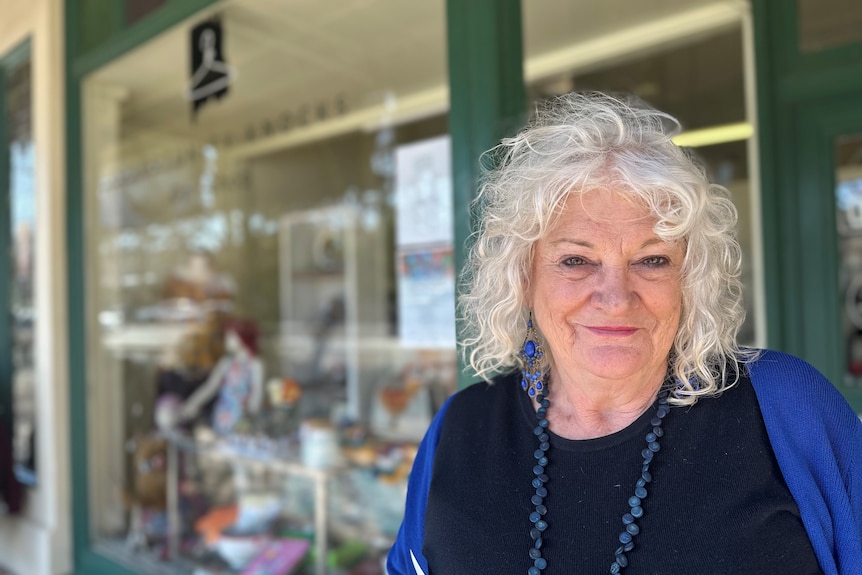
point(794, 92)
point(487, 102)
point(820, 123)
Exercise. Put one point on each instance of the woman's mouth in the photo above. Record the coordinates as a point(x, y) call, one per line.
point(612, 330)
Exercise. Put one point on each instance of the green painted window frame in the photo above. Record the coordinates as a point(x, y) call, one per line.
point(796, 93)
point(816, 262)
point(487, 102)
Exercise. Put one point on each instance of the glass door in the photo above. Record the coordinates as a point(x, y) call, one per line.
point(828, 264)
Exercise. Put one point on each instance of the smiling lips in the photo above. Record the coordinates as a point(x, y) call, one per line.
point(611, 330)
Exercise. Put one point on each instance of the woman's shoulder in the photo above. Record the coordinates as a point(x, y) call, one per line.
point(479, 393)
point(484, 399)
point(786, 382)
point(770, 367)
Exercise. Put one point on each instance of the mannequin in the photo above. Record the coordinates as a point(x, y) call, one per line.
point(237, 379)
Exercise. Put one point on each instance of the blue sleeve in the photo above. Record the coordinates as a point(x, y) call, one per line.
point(817, 440)
point(406, 554)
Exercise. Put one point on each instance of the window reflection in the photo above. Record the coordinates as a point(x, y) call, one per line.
point(22, 203)
point(848, 203)
point(268, 347)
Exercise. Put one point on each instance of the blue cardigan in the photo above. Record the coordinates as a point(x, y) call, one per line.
point(817, 440)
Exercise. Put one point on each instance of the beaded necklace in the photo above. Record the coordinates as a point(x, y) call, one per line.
point(532, 383)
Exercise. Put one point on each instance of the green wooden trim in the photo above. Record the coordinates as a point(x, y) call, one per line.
point(801, 75)
point(76, 296)
point(151, 25)
point(17, 55)
point(91, 563)
point(819, 126)
point(767, 127)
point(785, 15)
point(99, 21)
point(486, 99)
point(804, 85)
point(120, 15)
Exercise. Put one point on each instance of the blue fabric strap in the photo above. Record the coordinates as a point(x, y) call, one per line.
point(406, 553)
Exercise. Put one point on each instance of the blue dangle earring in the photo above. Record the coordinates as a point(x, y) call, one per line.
point(531, 354)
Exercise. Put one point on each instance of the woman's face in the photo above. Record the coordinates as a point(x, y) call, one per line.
point(606, 291)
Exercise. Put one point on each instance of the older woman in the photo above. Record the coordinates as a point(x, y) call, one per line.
point(622, 429)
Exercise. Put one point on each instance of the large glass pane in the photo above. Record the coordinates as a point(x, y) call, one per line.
point(270, 281)
point(696, 77)
point(848, 203)
point(826, 24)
point(22, 204)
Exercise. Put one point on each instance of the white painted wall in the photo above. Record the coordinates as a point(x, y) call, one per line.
point(40, 541)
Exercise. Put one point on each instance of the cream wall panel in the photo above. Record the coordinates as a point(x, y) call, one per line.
point(39, 542)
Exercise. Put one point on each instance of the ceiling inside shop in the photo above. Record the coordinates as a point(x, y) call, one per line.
point(295, 54)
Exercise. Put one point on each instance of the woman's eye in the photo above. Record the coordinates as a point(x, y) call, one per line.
point(574, 261)
point(655, 261)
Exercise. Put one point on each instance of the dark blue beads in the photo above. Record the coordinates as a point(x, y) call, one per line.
point(535, 516)
point(535, 533)
point(635, 501)
point(628, 518)
point(538, 482)
point(536, 389)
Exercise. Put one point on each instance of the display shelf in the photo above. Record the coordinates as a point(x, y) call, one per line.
point(276, 461)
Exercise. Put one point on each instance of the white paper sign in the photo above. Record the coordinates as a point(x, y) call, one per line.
point(423, 180)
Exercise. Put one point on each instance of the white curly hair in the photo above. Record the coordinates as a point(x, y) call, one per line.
point(586, 141)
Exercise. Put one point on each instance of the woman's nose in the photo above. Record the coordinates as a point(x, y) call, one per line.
point(614, 290)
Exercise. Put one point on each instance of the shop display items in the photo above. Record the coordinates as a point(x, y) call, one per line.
point(248, 464)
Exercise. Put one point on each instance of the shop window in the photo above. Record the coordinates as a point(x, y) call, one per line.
point(824, 24)
point(271, 282)
point(693, 73)
point(21, 355)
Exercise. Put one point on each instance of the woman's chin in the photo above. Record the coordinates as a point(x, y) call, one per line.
point(615, 362)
